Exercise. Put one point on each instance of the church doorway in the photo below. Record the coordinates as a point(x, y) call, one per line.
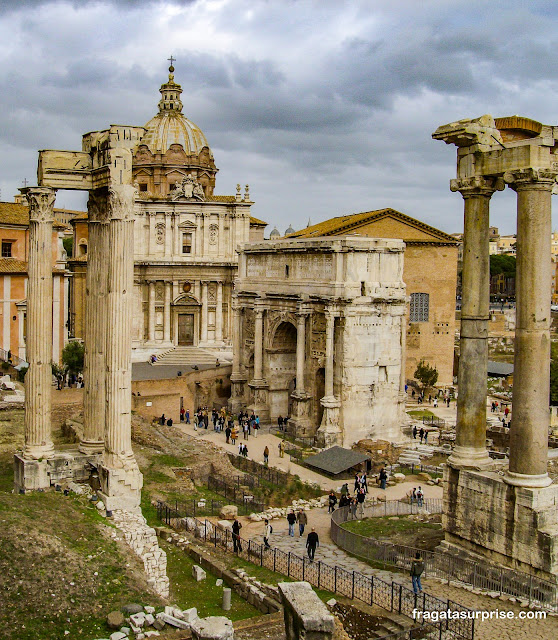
point(185, 329)
point(282, 369)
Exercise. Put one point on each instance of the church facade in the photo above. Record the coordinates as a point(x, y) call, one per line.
point(185, 239)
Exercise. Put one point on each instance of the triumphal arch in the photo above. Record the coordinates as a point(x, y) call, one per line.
point(103, 168)
point(319, 336)
point(508, 514)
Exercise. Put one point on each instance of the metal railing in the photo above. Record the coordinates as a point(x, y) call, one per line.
point(447, 567)
point(272, 475)
point(203, 508)
point(392, 596)
point(434, 421)
point(236, 494)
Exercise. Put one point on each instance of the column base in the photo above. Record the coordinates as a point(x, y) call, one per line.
point(470, 458)
point(121, 488)
point(299, 423)
point(527, 481)
point(65, 466)
point(91, 447)
point(513, 525)
point(259, 404)
point(237, 400)
point(38, 452)
point(330, 432)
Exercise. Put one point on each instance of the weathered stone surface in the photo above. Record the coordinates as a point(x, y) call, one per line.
point(130, 609)
point(198, 573)
point(138, 619)
point(174, 622)
point(115, 620)
point(212, 628)
point(305, 614)
point(118, 635)
point(229, 512)
point(190, 614)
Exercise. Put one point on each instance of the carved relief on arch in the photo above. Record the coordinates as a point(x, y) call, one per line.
point(318, 336)
point(274, 319)
point(248, 326)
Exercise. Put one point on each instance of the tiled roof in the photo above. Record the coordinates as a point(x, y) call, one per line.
point(221, 199)
point(346, 224)
point(336, 459)
point(257, 222)
point(11, 265)
point(18, 214)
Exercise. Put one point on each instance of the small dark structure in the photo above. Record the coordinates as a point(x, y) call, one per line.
point(338, 460)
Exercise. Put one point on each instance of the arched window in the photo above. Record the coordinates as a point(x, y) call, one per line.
point(420, 307)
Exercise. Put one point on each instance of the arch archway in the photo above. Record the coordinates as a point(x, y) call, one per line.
point(281, 368)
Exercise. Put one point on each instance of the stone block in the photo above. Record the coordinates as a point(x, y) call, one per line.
point(212, 628)
point(190, 614)
point(115, 620)
point(149, 619)
point(159, 624)
point(229, 512)
point(118, 635)
point(305, 614)
point(198, 573)
point(138, 619)
point(129, 609)
point(172, 621)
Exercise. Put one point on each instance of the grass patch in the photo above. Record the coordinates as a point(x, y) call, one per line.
point(204, 595)
point(385, 526)
point(421, 413)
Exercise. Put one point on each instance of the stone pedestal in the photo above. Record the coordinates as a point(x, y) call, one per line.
point(514, 526)
point(236, 401)
point(259, 405)
point(299, 423)
point(330, 432)
point(306, 616)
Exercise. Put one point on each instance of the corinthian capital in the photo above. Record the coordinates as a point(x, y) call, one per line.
point(41, 203)
point(121, 200)
point(531, 178)
point(477, 186)
point(97, 205)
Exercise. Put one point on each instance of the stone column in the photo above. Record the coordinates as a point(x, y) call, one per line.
point(96, 328)
point(151, 325)
point(330, 432)
point(204, 314)
point(470, 447)
point(38, 380)
point(219, 314)
point(300, 349)
point(121, 480)
point(529, 432)
point(167, 313)
point(258, 343)
point(237, 376)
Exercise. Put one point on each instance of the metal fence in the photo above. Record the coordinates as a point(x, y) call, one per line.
point(439, 565)
point(236, 494)
point(272, 475)
point(352, 584)
point(434, 421)
point(204, 508)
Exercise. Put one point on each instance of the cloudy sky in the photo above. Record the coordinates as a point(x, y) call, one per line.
point(324, 107)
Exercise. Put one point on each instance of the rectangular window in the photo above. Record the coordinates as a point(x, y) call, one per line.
point(143, 187)
point(186, 243)
point(6, 249)
point(420, 307)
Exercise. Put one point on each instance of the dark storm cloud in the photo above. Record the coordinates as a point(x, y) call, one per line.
point(337, 100)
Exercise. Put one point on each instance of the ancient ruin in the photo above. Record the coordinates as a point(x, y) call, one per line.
point(319, 336)
point(104, 168)
point(509, 515)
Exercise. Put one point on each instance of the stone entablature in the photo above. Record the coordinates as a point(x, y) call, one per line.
point(318, 335)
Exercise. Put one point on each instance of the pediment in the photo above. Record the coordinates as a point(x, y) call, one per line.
point(187, 225)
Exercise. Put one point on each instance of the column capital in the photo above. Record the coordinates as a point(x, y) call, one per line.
point(121, 200)
point(41, 203)
point(477, 186)
point(531, 178)
point(97, 206)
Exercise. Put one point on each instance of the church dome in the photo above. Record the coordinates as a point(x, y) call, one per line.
point(274, 234)
point(170, 126)
point(172, 149)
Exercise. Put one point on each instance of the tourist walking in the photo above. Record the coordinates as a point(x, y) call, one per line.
point(312, 541)
point(236, 527)
point(331, 502)
point(415, 430)
point(266, 455)
point(421, 434)
point(187, 416)
point(302, 519)
point(282, 449)
point(425, 436)
point(361, 496)
point(353, 508)
point(291, 519)
point(417, 568)
point(182, 414)
point(268, 530)
point(228, 434)
point(420, 497)
point(234, 435)
point(383, 478)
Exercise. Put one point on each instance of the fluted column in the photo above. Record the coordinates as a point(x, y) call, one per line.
point(38, 380)
point(236, 339)
point(118, 441)
point(529, 432)
point(300, 349)
point(95, 324)
point(167, 313)
point(258, 344)
point(330, 332)
point(470, 447)
point(204, 313)
point(151, 325)
point(219, 313)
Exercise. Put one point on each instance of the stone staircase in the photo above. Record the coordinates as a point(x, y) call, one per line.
point(416, 454)
point(189, 356)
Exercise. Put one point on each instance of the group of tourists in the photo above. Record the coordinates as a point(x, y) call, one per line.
point(422, 433)
point(417, 496)
point(443, 396)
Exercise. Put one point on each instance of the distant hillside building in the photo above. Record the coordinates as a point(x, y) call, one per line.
point(429, 272)
point(14, 239)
